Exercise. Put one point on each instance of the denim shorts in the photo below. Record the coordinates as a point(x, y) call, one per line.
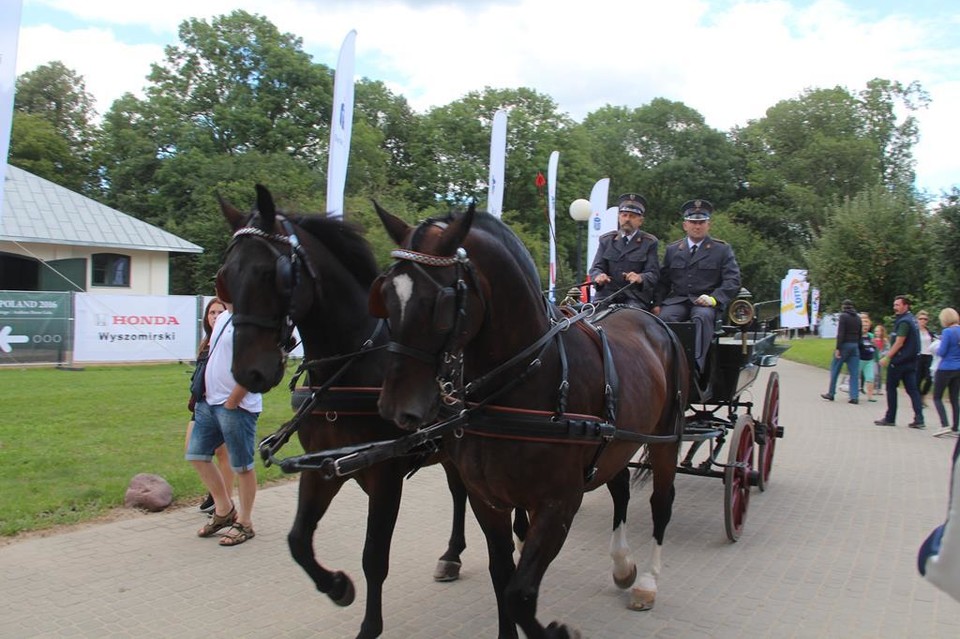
point(215, 425)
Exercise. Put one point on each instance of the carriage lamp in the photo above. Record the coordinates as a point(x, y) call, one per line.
point(580, 211)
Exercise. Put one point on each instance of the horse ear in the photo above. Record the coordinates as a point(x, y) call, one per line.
point(453, 236)
point(233, 217)
point(396, 228)
point(268, 210)
point(375, 303)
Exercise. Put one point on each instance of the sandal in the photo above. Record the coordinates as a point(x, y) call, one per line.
point(217, 523)
point(237, 534)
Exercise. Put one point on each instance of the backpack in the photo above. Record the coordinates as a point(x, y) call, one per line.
point(868, 351)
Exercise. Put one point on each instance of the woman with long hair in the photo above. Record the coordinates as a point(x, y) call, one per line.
point(210, 313)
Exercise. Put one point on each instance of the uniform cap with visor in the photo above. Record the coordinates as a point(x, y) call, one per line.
point(696, 210)
point(632, 203)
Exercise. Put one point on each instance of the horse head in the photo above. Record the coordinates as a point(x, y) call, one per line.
point(266, 278)
point(439, 297)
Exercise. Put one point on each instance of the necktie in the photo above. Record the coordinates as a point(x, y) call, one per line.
point(693, 249)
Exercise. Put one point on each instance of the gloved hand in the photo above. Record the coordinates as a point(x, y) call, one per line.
point(706, 300)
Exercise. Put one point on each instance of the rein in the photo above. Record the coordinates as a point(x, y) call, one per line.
point(271, 444)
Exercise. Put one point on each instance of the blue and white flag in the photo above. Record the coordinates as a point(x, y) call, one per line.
point(552, 216)
point(498, 160)
point(341, 125)
point(599, 220)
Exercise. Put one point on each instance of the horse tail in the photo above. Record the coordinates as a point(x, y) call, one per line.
point(677, 391)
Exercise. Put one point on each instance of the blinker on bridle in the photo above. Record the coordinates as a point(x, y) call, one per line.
point(450, 302)
point(287, 279)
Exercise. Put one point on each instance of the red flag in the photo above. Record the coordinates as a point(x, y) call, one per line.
point(540, 182)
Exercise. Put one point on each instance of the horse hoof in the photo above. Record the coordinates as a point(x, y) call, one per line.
point(559, 631)
point(626, 582)
point(342, 581)
point(641, 599)
point(446, 571)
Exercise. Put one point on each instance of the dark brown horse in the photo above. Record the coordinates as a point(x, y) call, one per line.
point(315, 273)
point(470, 328)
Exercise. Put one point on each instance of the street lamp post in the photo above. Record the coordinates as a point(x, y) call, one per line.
point(580, 212)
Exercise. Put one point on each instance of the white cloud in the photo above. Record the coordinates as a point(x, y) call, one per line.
point(728, 60)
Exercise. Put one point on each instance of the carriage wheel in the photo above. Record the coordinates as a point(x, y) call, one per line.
point(736, 477)
point(769, 422)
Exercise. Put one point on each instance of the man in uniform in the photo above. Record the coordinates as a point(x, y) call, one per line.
point(627, 256)
point(699, 273)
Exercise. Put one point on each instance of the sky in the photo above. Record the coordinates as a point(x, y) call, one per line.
point(728, 59)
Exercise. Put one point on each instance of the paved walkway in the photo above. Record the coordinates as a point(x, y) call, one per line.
point(828, 551)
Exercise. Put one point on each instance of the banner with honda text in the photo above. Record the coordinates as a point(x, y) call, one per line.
point(124, 328)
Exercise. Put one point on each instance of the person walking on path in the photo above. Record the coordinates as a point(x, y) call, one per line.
point(226, 414)
point(883, 346)
point(847, 352)
point(868, 356)
point(924, 375)
point(947, 375)
point(901, 362)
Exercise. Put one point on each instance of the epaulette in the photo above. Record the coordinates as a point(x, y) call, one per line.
point(650, 236)
point(677, 243)
point(717, 241)
point(609, 233)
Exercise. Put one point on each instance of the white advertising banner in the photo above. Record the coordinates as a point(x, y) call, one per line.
point(794, 312)
point(551, 219)
point(341, 127)
point(129, 328)
point(498, 161)
point(9, 34)
point(600, 222)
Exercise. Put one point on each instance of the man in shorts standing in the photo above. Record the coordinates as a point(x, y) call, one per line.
point(227, 414)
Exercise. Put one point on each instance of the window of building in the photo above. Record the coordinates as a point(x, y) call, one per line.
point(110, 269)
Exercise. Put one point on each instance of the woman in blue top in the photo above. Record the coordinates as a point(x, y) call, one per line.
point(948, 372)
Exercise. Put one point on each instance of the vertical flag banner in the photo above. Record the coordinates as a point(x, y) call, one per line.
point(814, 307)
point(552, 216)
point(498, 160)
point(9, 34)
point(598, 215)
point(793, 299)
point(341, 125)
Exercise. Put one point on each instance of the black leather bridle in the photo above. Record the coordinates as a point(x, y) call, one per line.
point(288, 266)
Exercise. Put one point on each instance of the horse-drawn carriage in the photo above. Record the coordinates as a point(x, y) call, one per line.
point(533, 404)
point(740, 349)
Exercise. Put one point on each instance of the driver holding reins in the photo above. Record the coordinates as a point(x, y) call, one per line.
point(627, 256)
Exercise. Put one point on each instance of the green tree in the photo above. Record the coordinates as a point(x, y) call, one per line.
point(237, 84)
point(56, 95)
point(872, 248)
point(943, 233)
point(665, 151)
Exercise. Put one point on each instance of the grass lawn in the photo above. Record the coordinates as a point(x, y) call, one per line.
point(811, 350)
point(71, 440)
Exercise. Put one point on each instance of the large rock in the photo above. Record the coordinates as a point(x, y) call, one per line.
point(150, 492)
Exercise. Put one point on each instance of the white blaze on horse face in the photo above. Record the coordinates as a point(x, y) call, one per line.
point(403, 285)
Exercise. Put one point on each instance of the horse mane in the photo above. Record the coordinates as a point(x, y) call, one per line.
point(495, 227)
point(345, 241)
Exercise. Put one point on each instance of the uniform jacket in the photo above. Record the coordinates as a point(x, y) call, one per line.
point(615, 258)
point(712, 271)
